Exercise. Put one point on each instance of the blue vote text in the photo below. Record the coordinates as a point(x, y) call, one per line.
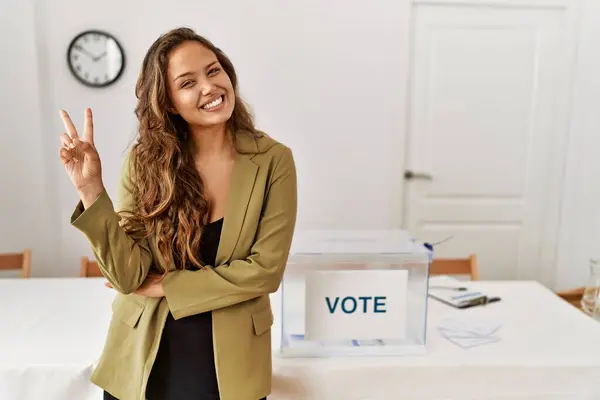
point(360, 304)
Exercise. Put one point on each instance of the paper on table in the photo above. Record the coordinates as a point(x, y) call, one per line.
point(469, 331)
point(470, 325)
point(471, 342)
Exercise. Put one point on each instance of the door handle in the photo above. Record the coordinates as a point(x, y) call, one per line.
point(409, 175)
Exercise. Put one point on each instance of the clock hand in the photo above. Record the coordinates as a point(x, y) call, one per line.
point(101, 56)
point(81, 49)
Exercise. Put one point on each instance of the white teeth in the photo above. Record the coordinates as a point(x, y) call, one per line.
point(213, 103)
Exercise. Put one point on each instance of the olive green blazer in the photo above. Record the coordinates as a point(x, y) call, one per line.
point(255, 242)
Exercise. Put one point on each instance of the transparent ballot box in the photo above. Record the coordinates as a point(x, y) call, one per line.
point(350, 293)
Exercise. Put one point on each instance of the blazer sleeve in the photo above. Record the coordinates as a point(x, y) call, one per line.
point(124, 261)
point(193, 292)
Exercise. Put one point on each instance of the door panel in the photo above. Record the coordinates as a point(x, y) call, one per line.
point(487, 124)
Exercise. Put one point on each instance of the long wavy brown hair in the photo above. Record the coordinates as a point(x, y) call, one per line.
point(169, 195)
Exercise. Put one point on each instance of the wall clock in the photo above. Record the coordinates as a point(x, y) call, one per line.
point(95, 58)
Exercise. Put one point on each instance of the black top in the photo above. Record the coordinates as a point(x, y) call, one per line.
point(185, 365)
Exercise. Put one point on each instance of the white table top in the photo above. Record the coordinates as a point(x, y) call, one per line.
point(59, 324)
point(53, 321)
point(537, 328)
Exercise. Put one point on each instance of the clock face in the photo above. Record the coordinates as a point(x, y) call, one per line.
point(95, 58)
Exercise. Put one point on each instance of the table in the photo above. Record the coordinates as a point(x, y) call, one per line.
point(548, 350)
point(53, 331)
point(49, 344)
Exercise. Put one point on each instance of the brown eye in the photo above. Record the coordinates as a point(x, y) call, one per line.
point(214, 71)
point(187, 84)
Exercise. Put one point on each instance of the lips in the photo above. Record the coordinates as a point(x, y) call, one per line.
point(213, 104)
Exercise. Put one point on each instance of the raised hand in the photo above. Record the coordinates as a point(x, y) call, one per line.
point(80, 158)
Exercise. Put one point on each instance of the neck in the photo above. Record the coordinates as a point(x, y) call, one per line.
point(209, 141)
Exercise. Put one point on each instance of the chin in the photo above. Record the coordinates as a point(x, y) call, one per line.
point(215, 120)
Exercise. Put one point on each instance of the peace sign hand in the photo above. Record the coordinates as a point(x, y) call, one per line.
point(80, 158)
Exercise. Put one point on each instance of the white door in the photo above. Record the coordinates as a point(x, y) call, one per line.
point(489, 112)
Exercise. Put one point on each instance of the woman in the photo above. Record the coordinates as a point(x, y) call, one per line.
point(207, 208)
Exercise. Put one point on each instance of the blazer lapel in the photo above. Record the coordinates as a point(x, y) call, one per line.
point(241, 188)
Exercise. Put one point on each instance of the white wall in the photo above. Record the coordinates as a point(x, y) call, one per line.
point(580, 230)
point(26, 211)
point(317, 82)
point(332, 91)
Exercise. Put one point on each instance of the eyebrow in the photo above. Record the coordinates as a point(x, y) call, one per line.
point(212, 63)
point(184, 74)
point(191, 73)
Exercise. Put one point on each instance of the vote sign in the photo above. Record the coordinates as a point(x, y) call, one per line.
point(357, 304)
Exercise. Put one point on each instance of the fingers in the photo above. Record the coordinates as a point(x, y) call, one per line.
point(73, 148)
point(68, 150)
point(66, 141)
point(108, 285)
point(66, 155)
point(88, 126)
point(70, 128)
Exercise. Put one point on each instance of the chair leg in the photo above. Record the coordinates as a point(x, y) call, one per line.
point(26, 267)
point(474, 267)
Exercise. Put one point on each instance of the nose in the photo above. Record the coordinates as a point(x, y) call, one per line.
point(206, 87)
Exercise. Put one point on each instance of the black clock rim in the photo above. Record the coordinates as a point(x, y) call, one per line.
point(99, 32)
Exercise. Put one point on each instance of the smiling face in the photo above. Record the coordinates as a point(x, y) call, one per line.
point(200, 90)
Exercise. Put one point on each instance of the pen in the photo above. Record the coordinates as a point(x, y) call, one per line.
point(478, 301)
point(460, 289)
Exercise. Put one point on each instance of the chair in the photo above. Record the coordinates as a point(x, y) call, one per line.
point(572, 296)
point(455, 266)
point(89, 269)
point(20, 261)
